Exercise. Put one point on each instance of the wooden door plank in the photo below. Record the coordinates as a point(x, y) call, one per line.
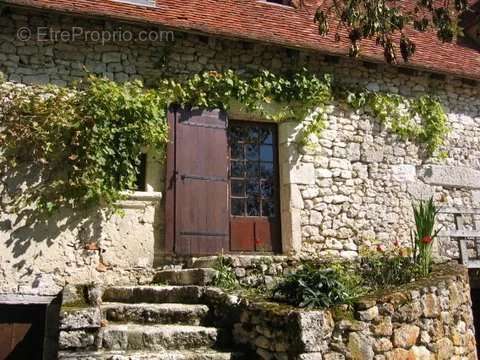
point(460, 210)
point(463, 251)
point(242, 234)
point(201, 190)
point(460, 233)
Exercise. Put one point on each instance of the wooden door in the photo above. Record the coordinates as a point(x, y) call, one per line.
point(197, 182)
point(22, 330)
point(254, 195)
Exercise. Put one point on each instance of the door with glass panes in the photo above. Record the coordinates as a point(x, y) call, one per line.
point(254, 205)
point(221, 188)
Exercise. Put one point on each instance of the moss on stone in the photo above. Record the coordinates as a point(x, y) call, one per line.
point(343, 313)
point(75, 305)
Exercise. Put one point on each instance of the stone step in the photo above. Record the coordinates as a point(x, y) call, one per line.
point(146, 313)
point(145, 355)
point(198, 276)
point(158, 337)
point(154, 294)
point(203, 262)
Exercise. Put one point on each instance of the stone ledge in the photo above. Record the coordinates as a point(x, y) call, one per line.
point(140, 199)
point(16, 299)
point(145, 196)
point(450, 176)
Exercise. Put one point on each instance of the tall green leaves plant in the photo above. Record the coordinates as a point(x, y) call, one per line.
point(225, 277)
point(425, 213)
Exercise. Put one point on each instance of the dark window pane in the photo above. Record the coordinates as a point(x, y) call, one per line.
point(266, 136)
point(252, 134)
point(253, 206)
point(268, 209)
point(267, 189)
point(252, 152)
point(237, 169)
point(266, 170)
point(237, 134)
point(266, 153)
point(253, 169)
point(253, 188)
point(238, 207)
point(237, 151)
point(238, 188)
point(141, 173)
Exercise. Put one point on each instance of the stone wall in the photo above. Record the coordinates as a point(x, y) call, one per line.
point(40, 257)
point(353, 189)
point(250, 270)
point(430, 319)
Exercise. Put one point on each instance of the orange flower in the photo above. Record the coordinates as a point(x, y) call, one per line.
point(426, 239)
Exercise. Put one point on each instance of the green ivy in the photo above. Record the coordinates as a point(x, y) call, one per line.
point(421, 120)
point(295, 97)
point(86, 140)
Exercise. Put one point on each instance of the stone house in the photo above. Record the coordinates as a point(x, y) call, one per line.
point(354, 188)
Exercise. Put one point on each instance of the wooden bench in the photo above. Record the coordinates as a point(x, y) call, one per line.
point(462, 235)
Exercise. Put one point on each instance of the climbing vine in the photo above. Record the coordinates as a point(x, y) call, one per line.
point(85, 140)
point(421, 119)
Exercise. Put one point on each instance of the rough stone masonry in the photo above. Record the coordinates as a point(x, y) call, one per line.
point(354, 188)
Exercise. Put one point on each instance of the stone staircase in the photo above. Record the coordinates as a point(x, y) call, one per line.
point(168, 322)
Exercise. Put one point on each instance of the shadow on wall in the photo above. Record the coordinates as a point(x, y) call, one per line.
point(21, 229)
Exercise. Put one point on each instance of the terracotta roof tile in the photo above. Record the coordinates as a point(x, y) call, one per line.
point(271, 23)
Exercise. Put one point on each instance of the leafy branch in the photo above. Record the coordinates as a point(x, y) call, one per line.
point(388, 22)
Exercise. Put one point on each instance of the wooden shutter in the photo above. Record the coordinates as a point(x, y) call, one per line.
point(200, 182)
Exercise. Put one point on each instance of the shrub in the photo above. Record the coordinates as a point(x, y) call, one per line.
point(225, 277)
point(319, 285)
point(384, 269)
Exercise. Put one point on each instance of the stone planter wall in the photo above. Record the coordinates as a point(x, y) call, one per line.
point(429, 319)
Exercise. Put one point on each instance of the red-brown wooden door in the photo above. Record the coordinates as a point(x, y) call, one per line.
point(197, 182)
point(254, 195)
point(22, 332)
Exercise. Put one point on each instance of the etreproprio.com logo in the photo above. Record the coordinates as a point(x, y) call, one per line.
point(76, 33)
